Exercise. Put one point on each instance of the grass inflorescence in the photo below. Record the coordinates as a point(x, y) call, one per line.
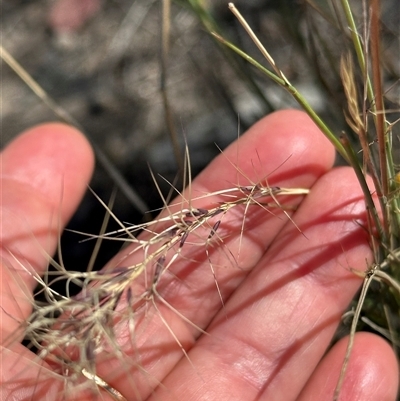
point(75, 333)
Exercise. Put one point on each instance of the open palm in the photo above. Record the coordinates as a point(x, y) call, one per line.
point(281, 304)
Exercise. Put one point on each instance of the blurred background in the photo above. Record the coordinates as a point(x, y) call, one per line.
point(107, 63)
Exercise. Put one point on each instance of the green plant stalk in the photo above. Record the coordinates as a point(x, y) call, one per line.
point(385, 151)
point(386, 157)
point(394, 204)
point(293, 91)
point(358, 49)
point(211, 26)
point(361, 60)
point(377, 83)
point(355, 164)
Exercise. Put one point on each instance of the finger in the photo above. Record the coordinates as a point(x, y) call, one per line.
point(372, 373)
point(282, 318)
point(287, 144)
point(45, 172)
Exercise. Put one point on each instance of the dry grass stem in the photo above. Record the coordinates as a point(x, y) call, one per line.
point(74, 333)
point(383, 226)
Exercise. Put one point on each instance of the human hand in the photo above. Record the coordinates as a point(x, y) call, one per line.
point(283, 298)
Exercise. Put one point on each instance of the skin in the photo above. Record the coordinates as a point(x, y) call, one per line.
point(281, 307)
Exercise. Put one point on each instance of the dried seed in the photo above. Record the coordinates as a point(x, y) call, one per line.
point(214, 229)
point(216, 212)
point(183, 239)
point(159, 266)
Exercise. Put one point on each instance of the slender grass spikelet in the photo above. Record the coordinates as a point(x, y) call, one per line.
point(272, 273)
